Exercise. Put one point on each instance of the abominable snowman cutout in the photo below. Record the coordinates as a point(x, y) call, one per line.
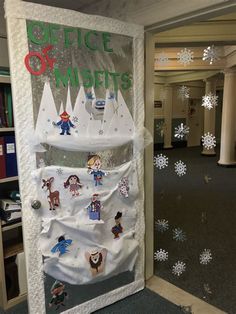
point(100, 123)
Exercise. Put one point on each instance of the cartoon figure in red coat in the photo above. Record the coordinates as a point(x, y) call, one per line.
point(65, 123)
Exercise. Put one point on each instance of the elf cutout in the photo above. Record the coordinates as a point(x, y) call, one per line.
point(94, 165)
point(65, 123)
point(58, 294)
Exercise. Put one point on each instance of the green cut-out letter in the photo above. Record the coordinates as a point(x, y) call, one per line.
point(87, 40)
point(126, 81)
point(97, 78)
point(106, 39)
point(67, 40)
point(87, 77)
point(44, 32)
point(53, 37)
point(69, 77)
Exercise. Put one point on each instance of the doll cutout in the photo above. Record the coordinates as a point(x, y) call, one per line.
point(117, 229)
point(73, 183)
point(96, 261)
point(61, 246)
point(53, 197)
point(94, 208)
point(94, 165)
point(123, 187)
point(65, 124)
point(58, 295)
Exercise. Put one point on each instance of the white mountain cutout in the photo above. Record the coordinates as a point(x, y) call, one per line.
point(115, 128)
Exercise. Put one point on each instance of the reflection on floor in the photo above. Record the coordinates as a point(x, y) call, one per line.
point(143, 302)
point(202, 204)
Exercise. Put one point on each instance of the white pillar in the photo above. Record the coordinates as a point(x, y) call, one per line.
point(209, 116)
point(228, 125)
point(168, 116)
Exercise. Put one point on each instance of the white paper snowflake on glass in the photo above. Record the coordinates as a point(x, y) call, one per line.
point(211, 54)
point(160, 128)
point(181, 131)
point(180, 168)
point(179, 235)
point(161, 255)
point(185, 56)
point(59, 171)
point(161, 225)
point(162, 60)
point(41, 163)
point(178, 268)
point(205, 257)
point(209, 101)
point(160, 161)
point(183, 92)
point(208, 140)
point(75, 119)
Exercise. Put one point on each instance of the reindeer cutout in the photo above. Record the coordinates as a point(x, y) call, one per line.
point(53, 197)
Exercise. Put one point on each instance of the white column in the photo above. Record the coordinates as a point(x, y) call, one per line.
point(228, 125)
point(209, 116)
point(168, 116)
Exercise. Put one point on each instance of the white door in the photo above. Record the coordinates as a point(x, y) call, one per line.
point(77, 85)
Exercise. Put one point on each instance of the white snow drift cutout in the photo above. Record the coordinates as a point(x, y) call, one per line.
point(100, 123)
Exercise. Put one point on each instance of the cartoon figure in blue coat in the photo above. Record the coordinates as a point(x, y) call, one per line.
point(65, 124)
point(94, 208)
point(94, 165)
point(61, 246)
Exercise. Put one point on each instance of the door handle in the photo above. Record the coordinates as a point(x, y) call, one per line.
point(35, 204)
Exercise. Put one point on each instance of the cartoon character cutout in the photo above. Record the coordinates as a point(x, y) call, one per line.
point(73, 183)
point(65, 124)
point(123, 187)
point(58, 295)
point(94, 208)
point(61, 246)
point(94, 165)
point(53, 196)
point(117, 229)
point(96, 260)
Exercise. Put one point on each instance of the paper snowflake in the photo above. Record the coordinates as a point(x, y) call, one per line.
point(207, 288)
point(181, 131)
point(205, 257)
point(160, 128)
point(178, 268)
point(185, 56)
point(160, 161)
point(161, 225)
point(75, 119)
point(59, 171)
point(210, 54)
point(209, 101)
point(162, 60)
point(183, 92)
point(179, 235)
point(41, 163)
point(100, 132)
point(180, 168)
point(208, 140)
point(161, 255)
point(187, 309)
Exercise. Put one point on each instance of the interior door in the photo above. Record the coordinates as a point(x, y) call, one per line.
point(77, 85)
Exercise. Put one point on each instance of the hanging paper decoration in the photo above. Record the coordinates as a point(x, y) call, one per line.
point(185, 56)
point(205, 257)
point(162, 225)
point(181, 131)
point(124, 187)
point(162, 60)
point(94, 165)
point(178, 268)
point(160, 161)
point(73, 183)
point(180, 168)
point(161, 255)
point(96, 260)
point(94, 208)
point(207, 178)
point(58, 295)
point(183, 92)
point(211, 54)
point(209, 101)
point(61, 246)
point(207, 288)
point(179, 235)
point(117, 229)
point(53, 197)
point(208, 140)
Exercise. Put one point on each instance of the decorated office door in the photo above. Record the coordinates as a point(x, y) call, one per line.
point(77, 85)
